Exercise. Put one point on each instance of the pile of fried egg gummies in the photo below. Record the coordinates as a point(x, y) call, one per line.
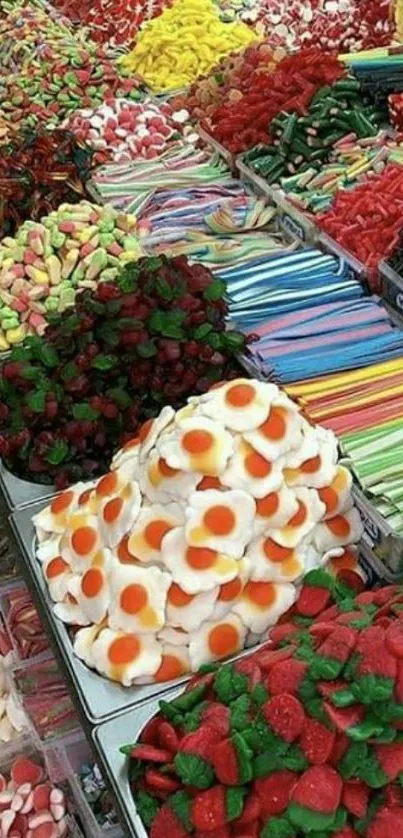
point(195, 543)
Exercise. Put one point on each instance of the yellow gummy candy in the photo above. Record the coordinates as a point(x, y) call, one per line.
point(4, 344)
point(189, 38)
point(15, 335)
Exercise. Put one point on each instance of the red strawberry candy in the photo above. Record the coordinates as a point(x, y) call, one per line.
point(355, 797)
point(316, 741)
point(167, 825)
point(274, 791)
point(286, 716)
point(387, 822)
point(286, 677)
point(319, 789)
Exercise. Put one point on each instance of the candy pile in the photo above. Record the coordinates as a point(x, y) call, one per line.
point(228, 79)
point(242, 124)
point(184, 42)
point(311, 314)
point(39, 172)
point(24, 623)
point(344, 24)
point(395, 103)
point(153, 337)
point(194, 544)
point(303, 737)
point(367, 221)
point(302, 144)
point(122, 130)
point(46, 699)
point(31, 30)
point(364, 408)
point(350, 160)
point(41, 269)
point(115, 22)
point(12, 718)
point(96, 794)
point(128, 186)
point(30, 805)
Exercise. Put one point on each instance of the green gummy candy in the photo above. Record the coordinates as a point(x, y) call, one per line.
point(294, 759)
point(189, 699)
point(244, 758)
point(51, 304)
point(325, 668)
point(278, 828)
point(343, 698)
point(368, 729)
point(265, 764)
point(194, 770)
point(9, 323)
point(372, 773)
point(234, 796)
point(319, 579)
point(373, 688)
point(180, 803)
point(309, 820)
point(352, 759)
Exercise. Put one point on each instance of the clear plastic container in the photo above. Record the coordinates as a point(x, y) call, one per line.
point(391, 285)
point(6, 593)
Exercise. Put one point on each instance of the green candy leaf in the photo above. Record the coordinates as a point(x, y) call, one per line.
point(164, 290)
point(147, 349)
point(307, 819)
point(170, 713)
point(229, 684)
point(259, 694)
point(202, 331)
point(351, 760)
point(69, 371)
point(234, 796)
point(120, 397)
point(57, 453)
point(193, 770)
point(104, 362)
point(278, 828)
point(82, 410)
point(244, 756)
point(265, 764)
point(240, 712)
point(193, 719)
point(294, 759)
point(215, 291)
point(233, 341)
point(180, 803)
point(147, 807)
point(189, 699)
point(36, 401)
point(128, 279)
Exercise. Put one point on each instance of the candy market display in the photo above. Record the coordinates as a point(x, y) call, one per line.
point(74, 247)
point(184, 42)
point(194, 544)
point(151, 337)
point(300, 738)
point(31, 805)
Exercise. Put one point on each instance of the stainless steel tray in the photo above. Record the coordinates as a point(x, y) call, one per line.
point(107, 739)
point(19, 493)
point(98, 698)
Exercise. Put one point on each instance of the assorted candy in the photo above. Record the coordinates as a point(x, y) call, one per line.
point(31, 805)
point(24, 623)
point(38, 173)
point(184, 42)
point(195, 543)
point(152, 337)
point(42, 268)
point(12, 718)
point(121, 131)
point(302, 737)
point(46, 700)
point(96, 795)
point(115, 22)
point(242, 124)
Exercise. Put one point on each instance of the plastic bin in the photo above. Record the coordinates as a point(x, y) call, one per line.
point(391, 285)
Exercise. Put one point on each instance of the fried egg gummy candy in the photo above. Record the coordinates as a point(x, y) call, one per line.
point(196, 542)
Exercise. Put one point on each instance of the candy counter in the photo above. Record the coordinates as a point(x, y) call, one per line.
point(200, 419)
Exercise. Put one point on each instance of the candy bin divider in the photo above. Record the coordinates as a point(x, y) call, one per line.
point(292, 219)
point(107, 738)
point(229, 158)
point(385, 544)
point(71, 753)
point(18, 493)
point(328, 244)
point(392, 285)
point(18, 663)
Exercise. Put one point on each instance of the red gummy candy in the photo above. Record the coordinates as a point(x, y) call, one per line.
point(312, 600)
point(209, 809)
point(390, 758)
point(151, 754)
point(286, 716)
point(200, 742)
point(217, 717)
point(286, 677)
point(355, 797)
point(387, 822)
point(339, 644)
point(394, 639)
point(167, 825)
point(317, 741)
point(274, 791)
point(25, 771)
point(225, 763)
point(168, 737)
point(319, 788)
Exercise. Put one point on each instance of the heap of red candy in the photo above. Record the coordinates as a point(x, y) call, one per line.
point(243, 123)
point(112, 21)
point(368, 220)
point(38, 172)
point(303, 737)
point(70, 399)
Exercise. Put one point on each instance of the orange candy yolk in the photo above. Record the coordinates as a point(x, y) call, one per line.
point(329, 497)
point(200, 558)
point(124, 554)
point(107, 484)
point(92, 582)
point(261, 593)
point(274, 428)
point(257, 466)
point(154, 533)
point(209, 483)
point(197, 442)
point(56, 567)
point(112, 510)
point(230, 590)
point(220, 520)
point(165, 469)
point(124, 650)
point(275, 552)
point(223, 640)
point(339, 526)
point(177, 597)
point(265, 507)
point(61, 503)
point(145, 430)
point(170, 668)
point(84, 540)
point(312, 465)
point(300, 516)
point(240, 395)
point(133, 599)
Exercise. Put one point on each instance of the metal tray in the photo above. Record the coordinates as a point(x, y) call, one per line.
point(392, 285)
point(107, 739)
point(382, 540)
point(97, 697)
point(19, 493)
